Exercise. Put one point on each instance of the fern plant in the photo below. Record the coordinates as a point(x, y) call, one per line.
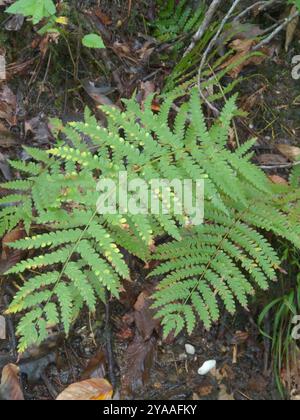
point(76, 253)
point(177, 19)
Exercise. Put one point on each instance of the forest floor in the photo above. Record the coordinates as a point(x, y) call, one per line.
point(47, 78)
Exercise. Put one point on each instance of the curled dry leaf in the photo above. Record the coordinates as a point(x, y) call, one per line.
point(10, 389)
point(290, 152)
point(91, 389)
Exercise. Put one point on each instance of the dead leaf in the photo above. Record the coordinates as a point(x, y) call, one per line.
point(102, 17)
point(291, 28)
point(144, 316)
point(95, 367)
point(10, 256)
point(10, 389)
point(139, 360)
point(15, 23)
point(242, 48)
point(240, 337)
point(257, 384)
point(205, 390)
point(271, 159)
point(38, 129)
point(290, 152)
point(224, 395)
point(2, 328)
point(276, 179)
point(13, 236)
point(91, 389)
point(8, 105)
point(249, 102)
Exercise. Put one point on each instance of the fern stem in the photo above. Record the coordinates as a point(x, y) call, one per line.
point(214, 256)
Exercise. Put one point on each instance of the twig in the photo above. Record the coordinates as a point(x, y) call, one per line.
point(11, 331)
point(207, 51)
point(284, 166)
point(276, 31)
point(261, 5)
point(204, 25)
point(109, 347)
point(52, 391)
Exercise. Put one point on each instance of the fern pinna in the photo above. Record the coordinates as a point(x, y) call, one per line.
point(177, 19)
point(77, 254)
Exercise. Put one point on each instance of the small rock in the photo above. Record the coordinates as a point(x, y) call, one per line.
point(190, 349)
point(207, 367)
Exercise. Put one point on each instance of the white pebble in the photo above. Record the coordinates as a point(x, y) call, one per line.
point(190, 349)
point(207, 367)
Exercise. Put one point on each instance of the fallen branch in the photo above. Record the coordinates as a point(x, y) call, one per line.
point(204, 25)
point(284, 166)
point(260, 6)
point(276, 31)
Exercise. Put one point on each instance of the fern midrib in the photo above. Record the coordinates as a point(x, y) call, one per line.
point(230, 230)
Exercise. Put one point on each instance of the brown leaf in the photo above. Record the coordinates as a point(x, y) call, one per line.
point(271, 159)
point(13, 236)
point(8, 104)
point(38, 129)
point(139, 360)
point(102, 17)
point(290, 152)
point(144, 316)
point(240, 337)
point(11, 257)
point(10, 389)
point(276, 179)
point(224, 395)
point(257, 384)
point(91, 389)
point(242, 48)
point(205, 390)
point(95, 367)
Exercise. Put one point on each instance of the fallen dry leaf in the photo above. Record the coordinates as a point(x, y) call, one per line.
point(13, 236)
point(144, 316)
point(139, 360)
point(242, 48)
point(271, 159)
point(290, 152)
point(102, 17)
point(95, 367)
point(91, 389)
point(10, 389)
point(224, 395)
point(276, 179)
point(8, 104)
point(141, 352)
point(11, 256)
